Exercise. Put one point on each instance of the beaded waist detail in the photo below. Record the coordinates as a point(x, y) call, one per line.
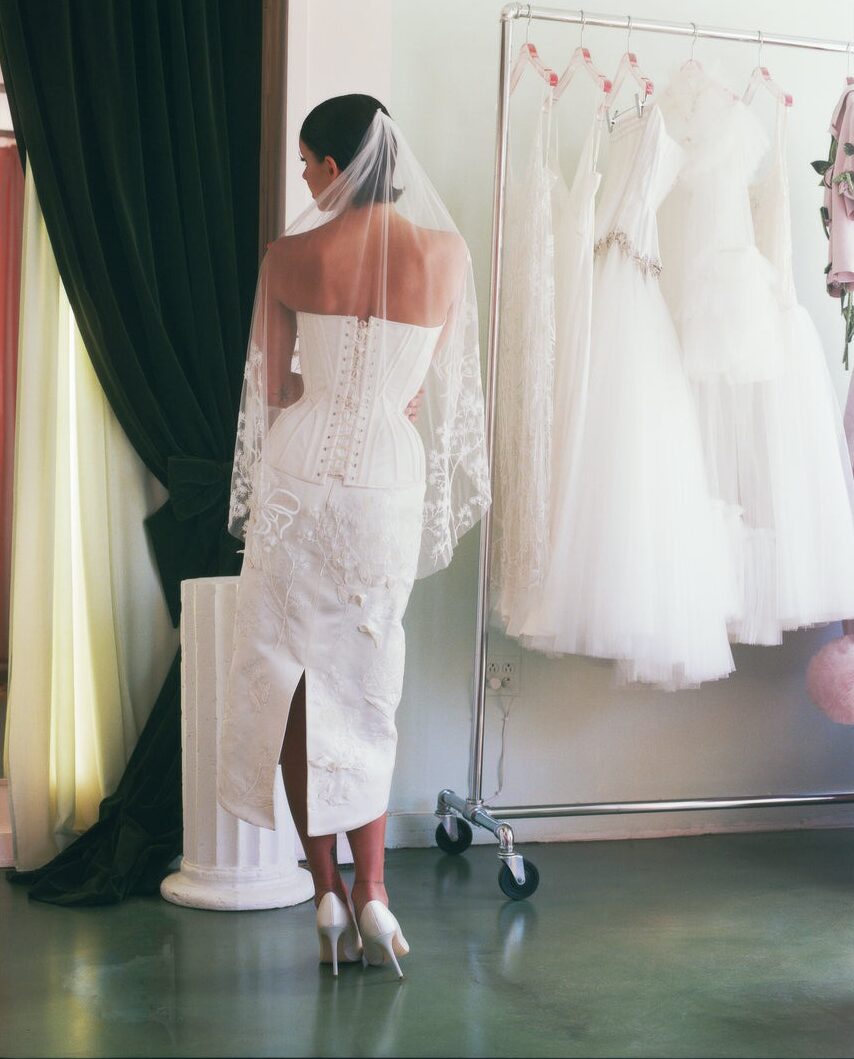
point(648, 265)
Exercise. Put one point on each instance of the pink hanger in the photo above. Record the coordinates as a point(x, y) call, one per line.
point(761, 76)
point(629, 65)
point(528, 55)
point(581, 58)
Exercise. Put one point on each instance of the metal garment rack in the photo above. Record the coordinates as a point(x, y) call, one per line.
point(518, 878)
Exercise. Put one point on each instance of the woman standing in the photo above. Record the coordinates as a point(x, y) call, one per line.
point(343, 501)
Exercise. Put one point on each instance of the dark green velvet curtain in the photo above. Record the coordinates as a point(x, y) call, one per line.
point(141, 121)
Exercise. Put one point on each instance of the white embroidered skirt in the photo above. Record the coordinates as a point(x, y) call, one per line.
point(327, 573)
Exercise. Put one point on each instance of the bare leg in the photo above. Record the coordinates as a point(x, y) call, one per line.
point(368, 845)
point(320, 850)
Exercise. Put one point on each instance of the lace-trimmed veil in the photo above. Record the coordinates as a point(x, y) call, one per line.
point(380, 207)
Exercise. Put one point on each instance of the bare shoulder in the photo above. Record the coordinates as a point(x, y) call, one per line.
point(449, 245)
point(454, 256)
point(446, 251)
point(288, 249)
point(284, 263)
point(453, 248)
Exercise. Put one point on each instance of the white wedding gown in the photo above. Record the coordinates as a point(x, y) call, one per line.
point(525, 385)
point(573, 210)
point(331, 555)
point(724, 298)
point(640, 572)
point(771, 433)
point(814, 513)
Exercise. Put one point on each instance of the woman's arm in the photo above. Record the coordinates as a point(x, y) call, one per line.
point(284, 386)
point(455, 257)
point(278, 327)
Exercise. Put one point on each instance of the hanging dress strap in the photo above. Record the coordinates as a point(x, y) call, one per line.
point(783, 213)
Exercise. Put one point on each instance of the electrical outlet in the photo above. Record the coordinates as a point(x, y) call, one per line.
point(510, 676)
point(502, 674)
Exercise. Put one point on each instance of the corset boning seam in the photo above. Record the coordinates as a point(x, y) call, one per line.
point(348, 406)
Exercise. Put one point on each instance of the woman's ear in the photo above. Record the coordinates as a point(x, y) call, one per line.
point(331, 166)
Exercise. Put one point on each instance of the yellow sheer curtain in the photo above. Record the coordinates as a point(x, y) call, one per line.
point(91, 638)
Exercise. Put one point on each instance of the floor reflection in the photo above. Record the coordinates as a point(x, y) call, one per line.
point(451, 870)
point(517, 931)
point(99, 987)
point(363, 1012)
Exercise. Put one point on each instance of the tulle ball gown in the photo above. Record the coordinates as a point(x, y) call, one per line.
point(640, 571)
point(771, 429)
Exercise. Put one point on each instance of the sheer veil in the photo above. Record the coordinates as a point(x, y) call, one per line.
point(378, 242)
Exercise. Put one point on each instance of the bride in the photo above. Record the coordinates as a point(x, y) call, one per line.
point(360, 462)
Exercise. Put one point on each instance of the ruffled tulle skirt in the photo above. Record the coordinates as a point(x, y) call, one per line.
point(725, 320)
point(732, 337)
point(638, 567)
point(814, 508)
point(774, 448)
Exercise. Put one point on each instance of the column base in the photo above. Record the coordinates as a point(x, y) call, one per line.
point(235, 890)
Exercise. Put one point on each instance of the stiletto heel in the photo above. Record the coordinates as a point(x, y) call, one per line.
point(336, 928)
point(329, 936)
point(382, 938)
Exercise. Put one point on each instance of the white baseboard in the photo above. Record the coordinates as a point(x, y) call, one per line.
point(416, 830)
point(7, 859)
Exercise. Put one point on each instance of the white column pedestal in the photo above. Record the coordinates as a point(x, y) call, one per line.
point(227, 863)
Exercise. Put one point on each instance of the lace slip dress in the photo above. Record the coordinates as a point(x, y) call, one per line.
point(538, 624)
point(525, 386)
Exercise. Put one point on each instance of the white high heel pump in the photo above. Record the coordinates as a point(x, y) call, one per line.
point(339, 936)
point(382, 938)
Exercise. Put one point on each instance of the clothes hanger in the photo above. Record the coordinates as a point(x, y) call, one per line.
point(691, 61)
point(528, 55)
point(849, 80)
point(581, 58)
point(629, 66)
point(761, 77)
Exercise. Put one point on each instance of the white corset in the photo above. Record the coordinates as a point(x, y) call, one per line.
point(350, 422)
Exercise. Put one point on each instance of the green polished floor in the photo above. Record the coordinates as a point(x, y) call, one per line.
point(726, 945)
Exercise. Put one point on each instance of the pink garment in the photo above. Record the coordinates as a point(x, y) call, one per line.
point(839, 202)
point(11, 222)
point(848, 423)
point(839, 198)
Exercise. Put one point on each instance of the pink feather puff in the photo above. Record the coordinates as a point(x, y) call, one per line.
point(830, 679)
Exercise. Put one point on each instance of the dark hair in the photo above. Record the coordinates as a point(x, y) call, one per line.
point(336, 127)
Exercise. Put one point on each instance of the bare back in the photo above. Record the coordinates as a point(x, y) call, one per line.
point(336, 269)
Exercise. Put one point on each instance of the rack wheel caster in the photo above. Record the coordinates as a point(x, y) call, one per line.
point(509, 886)
point(450, 845)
